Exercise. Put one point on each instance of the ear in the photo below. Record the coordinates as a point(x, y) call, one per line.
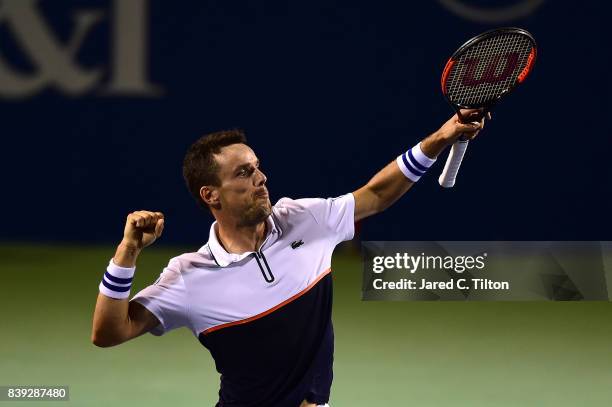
point(210, 195)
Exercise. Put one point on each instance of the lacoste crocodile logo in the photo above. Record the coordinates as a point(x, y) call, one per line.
point(297, 244)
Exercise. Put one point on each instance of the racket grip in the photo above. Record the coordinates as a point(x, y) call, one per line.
point(453, 162)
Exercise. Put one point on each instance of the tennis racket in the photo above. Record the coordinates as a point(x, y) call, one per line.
point(478, 75)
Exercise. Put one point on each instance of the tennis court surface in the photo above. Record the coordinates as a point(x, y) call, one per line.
point(387, 353)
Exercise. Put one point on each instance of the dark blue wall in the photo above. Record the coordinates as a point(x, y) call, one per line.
point(328, 92)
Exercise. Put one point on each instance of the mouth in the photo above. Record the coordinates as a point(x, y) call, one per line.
point(261, 195)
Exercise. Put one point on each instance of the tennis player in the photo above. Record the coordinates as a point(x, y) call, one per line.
point(258, 295)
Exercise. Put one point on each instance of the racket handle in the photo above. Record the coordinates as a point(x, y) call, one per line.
point(453, 162)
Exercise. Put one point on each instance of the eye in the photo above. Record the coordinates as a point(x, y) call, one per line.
point(245, 172)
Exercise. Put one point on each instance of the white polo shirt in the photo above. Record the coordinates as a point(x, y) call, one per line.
point(265, 316)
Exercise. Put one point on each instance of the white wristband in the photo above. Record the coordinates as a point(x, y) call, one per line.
point(414, 163)
point(117, 281)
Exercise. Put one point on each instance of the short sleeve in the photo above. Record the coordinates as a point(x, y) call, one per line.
point(336, 214)
point(166, 299)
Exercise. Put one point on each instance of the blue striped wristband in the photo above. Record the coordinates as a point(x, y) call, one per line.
point(414, 163)
point(117, 281)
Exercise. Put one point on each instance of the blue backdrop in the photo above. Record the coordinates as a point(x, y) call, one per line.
point(96, 120)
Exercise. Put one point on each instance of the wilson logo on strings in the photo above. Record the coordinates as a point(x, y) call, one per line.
point(489, 74)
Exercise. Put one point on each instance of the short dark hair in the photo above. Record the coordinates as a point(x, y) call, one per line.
point(200, 167)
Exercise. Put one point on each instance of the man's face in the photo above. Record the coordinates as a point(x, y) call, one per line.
point(242, 193)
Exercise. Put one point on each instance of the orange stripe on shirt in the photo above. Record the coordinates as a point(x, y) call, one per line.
point(271, 310)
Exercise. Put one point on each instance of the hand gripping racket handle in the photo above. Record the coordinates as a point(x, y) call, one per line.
point(453, 162)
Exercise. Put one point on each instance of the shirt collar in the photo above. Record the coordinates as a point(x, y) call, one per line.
point(222, 257)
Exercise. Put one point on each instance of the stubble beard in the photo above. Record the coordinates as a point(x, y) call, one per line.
point(256, 213)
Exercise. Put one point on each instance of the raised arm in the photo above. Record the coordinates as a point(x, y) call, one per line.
point(389, 184)
point(117, 320)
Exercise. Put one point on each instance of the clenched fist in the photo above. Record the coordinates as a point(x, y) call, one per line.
point(142, 228)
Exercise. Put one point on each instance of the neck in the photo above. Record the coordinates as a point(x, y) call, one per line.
point(241, 239)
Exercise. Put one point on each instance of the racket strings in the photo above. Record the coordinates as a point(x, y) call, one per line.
point(482, 73)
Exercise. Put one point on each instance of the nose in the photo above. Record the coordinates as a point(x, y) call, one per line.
point(260, 178)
